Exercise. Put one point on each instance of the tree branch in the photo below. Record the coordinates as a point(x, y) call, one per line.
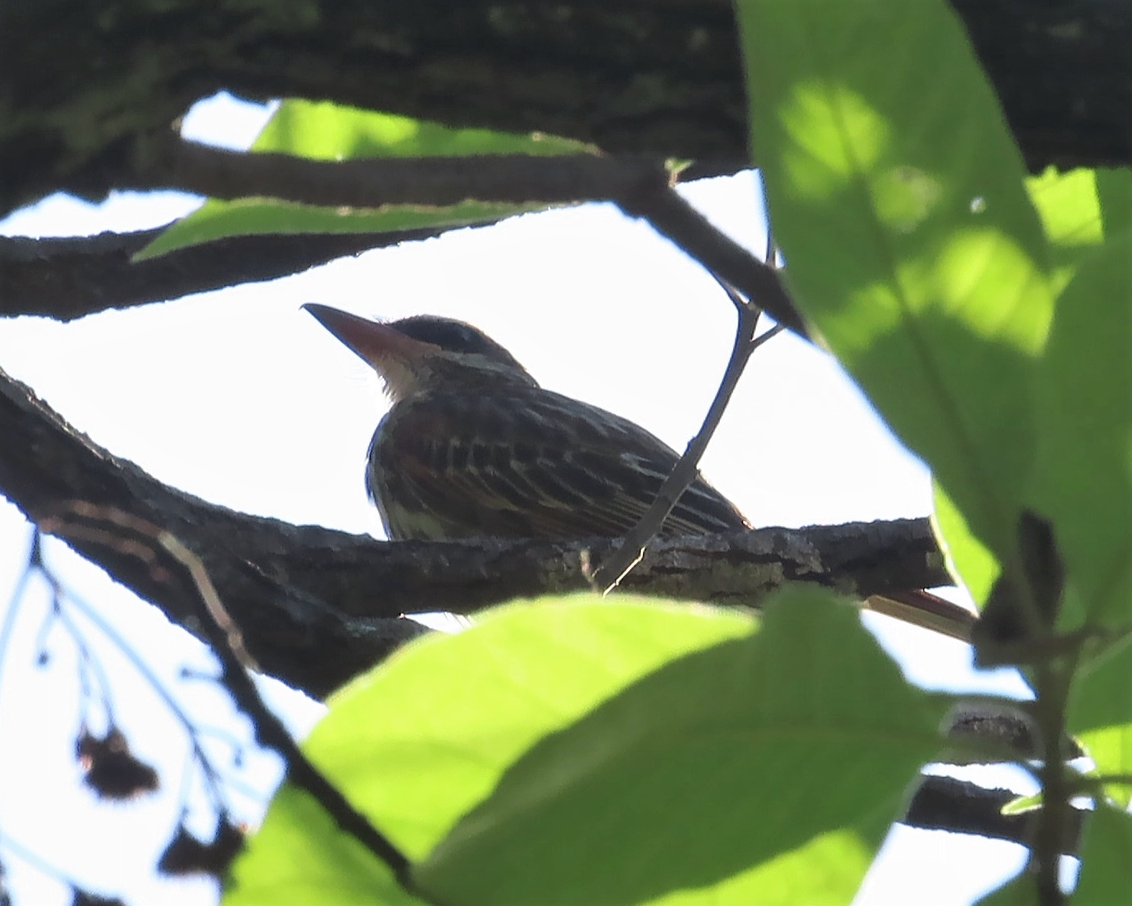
point(944, 803)
point(426, 181)
point(76, 276)
point(299, 591)
point(68, 278)
point(676, 220)
point(86, 113)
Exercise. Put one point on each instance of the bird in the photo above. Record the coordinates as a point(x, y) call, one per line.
point(473, 447)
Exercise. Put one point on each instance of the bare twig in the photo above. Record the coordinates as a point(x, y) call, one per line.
point(224, 637)
point(631, 551)
point(676, 220)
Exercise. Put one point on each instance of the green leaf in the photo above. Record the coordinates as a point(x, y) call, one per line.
point(328, 132)
point(1114, 191)
point(967, 558)
point(301, 858)
point(1071, 217)
point(720, 775)
point(324, 131)
point(1106, 859)
point(1020, 891)
point(793, 745)
point(1083, 474)
point(1100, 715)
point(1023, 804)
point(896, 194)
point(424, 737)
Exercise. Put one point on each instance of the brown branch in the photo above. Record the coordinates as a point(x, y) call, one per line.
point(658, 79)
point(67, 278)
point(76, 276)
point(944, 803)
point(300, 591)
point(420, 181)
point(938, 803)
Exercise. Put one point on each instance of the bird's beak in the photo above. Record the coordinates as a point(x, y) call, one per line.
point(376, 343)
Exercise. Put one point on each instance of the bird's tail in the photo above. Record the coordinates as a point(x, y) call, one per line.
point(923, 609)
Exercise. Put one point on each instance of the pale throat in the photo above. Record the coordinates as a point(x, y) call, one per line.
point(407, 378)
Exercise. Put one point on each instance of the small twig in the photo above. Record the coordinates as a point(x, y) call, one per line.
point(233, 640)
point(8, 624)
point(675, 219)
point(211, 776)
point(631, 550)
point(89, 665)
point(224, 638)
point(27, 855)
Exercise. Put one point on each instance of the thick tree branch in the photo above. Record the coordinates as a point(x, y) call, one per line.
point(944, 803)
point(300, 591)
point(92, 89)
point(67, 278)
point(427, 181)
point(77, 276)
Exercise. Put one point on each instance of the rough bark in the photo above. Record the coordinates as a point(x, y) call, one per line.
point(90, 91)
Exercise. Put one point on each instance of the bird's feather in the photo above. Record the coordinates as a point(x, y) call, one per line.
point(526, 464)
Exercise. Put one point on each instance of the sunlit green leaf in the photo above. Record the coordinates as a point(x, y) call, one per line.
point(689, 724)
point(720, 775)
point(896, 194)
point(424, 737)
point(967, 558)
point(1022, 805)
point(300, 857)
point(1100, 715)
point(328, 132)
point(1106, 859)
point(1071, 216)
point(324, 131)
point(1020, 891)
point(1083, 477)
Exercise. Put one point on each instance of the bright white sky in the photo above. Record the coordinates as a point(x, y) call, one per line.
point(239, 397)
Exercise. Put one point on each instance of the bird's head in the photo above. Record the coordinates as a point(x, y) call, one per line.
point(423, 352)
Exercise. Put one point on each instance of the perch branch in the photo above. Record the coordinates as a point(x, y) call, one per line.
point(299, 591)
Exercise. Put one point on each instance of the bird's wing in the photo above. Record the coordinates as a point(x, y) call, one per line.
point(535, 465)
